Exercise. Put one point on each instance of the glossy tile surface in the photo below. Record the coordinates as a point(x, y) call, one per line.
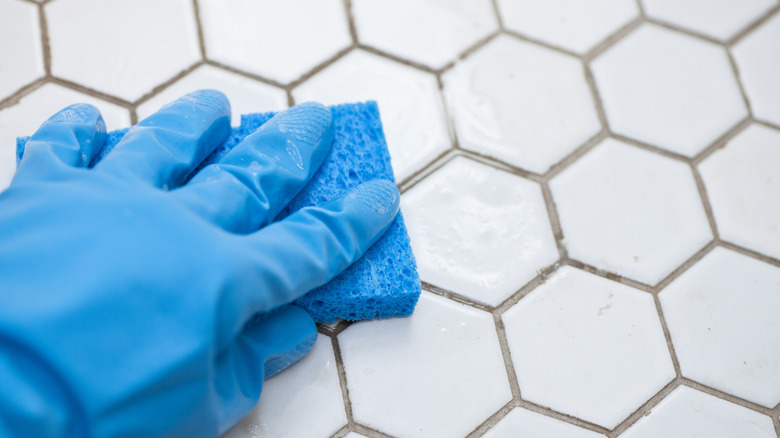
point(588, 347)
point(520, 103)
point(722, 315)
point(743, 185)
point(21, 62)
point(719, 19)
point(758, 60)
point(429, 32)
point(408, 376)
point(668, 89)
point(690, 413)
point(590, 188)
point(523, 423)
point(303, 401)
point(245, 95)
point(574, 25)
point(629, 211)
point(280, 40)
point(122, 61)
point(409, 100)
point(478, 231)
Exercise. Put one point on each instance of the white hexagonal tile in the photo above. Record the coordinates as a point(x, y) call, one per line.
point(245, 95)
point(21, 62)
point(277, 40)
point(572, 24)
point(478, 231)
point(430, 32)
point(719, 19)
point(629, 211)
point(26, 116)
point(722, 315)
point(743, 186)
point(690, 413)
point(523, 423)
point(130, 48)
point(588, 347)
point(409, 102)
point(668, 89)
point(439, 372)
point(521, 103)
point(758, 61)
point(308, 390)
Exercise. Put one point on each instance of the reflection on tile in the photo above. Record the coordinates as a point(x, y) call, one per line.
point(668, 89)
point(409, 101)
point(521, 103)
point(25, 117)
point(719, 19)
point(758, 60)
point(526, 424)
point(430, 32)
point(113, 56)
point(588, 347)
point(722, 315)
point(478, 231)
point(743, 186)
point(21, 62)
point(279, 40)
point(245, 95)
point(436, 373)
point(572, 24)
point(625, 210)
point(308, 390)
point(690, 413)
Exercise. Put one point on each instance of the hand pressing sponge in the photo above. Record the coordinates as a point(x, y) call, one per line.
point(384, 282)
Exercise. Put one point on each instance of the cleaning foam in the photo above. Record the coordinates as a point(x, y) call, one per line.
point(384, 282)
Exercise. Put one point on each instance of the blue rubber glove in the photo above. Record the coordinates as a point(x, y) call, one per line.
point(136, 302)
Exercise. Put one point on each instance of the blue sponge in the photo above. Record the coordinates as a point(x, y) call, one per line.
point(384, 282)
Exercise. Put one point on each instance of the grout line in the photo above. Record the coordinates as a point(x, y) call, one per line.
point(554, 220)
point(568, 160)
point(199, 27)
point(497, 11)
point(492, 420)
point(750, 253)
point(45, 44)
point(369, 432)
point(538, 42)
point(245, 74)
point(435, 164)
point(161, 87)
point(341, 433)
point(454, 296)
point(651, 148)
point(514, 385)
point(91, 92)
point(351, 21)
point(19, 94)
point(738, 80)
point(646, 408)
point(641, 8)
point(705, 201)
point(540, 279)
point(319, 67)
point(692, 260)
point(548, 412)
point(598, 103)
point(722, 141)
point(683, 30)
point(767, 124)
point(395, 58)
point(613, 39)
point(667, 336)
point(725, 396)
point(752, 26)
point(342, 379)
point(609, 275)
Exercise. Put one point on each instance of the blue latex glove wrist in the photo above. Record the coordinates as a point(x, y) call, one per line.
point(138, 301)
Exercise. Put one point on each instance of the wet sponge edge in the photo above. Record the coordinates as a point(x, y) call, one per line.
point(384, 282)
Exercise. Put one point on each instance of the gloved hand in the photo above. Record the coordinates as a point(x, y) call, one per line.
point(135, 304)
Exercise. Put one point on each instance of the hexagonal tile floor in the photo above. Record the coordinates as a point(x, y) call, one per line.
point(591, 190)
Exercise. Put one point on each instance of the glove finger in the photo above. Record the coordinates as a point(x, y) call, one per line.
point(311, 246)
point(167, 146)
point(250, 185)
point(266, 346)
point(72, 137)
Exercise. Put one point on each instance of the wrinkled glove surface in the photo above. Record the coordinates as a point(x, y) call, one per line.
point(138, 299)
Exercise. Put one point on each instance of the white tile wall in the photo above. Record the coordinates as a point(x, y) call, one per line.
point(591, 192)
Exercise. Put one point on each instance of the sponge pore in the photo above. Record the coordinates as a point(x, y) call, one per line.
point(384, 282)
